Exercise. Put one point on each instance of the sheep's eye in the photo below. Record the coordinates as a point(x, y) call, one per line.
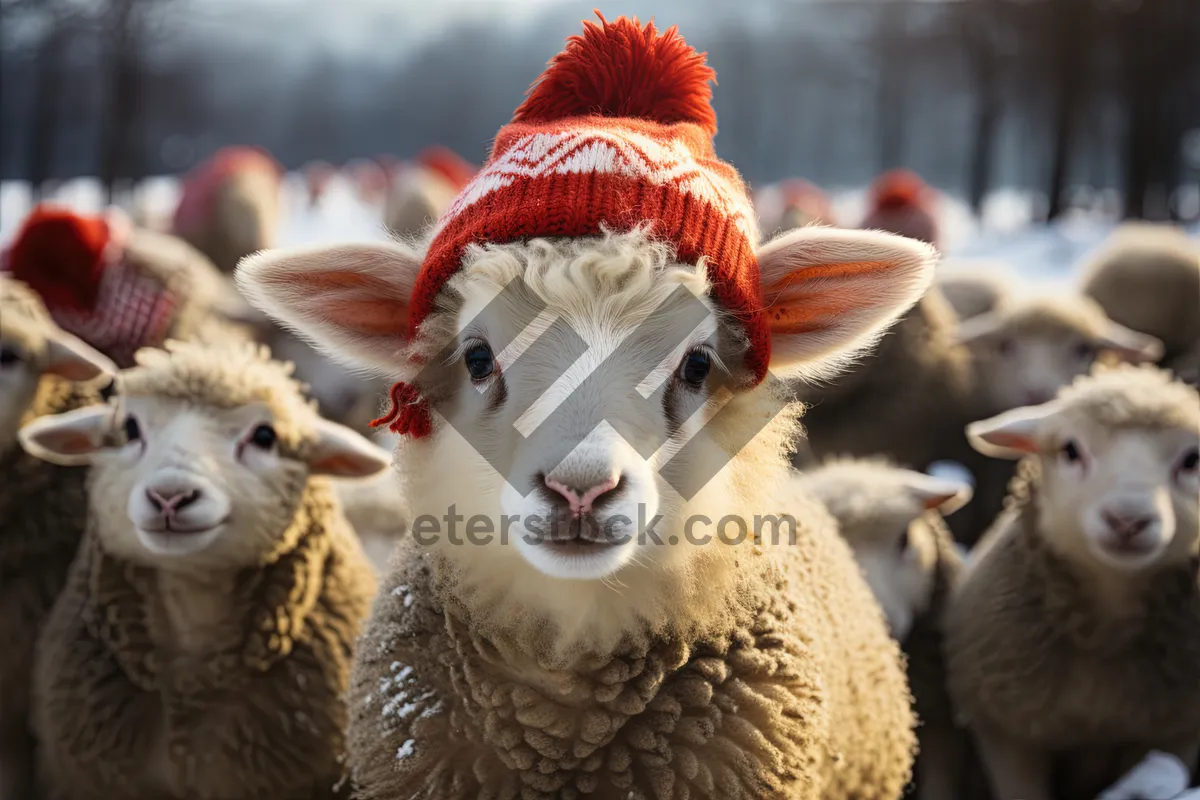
point(1190, 461)
point(695, 367)
point(1070, 452)
point(1084, 351)
point(1004, 347)
point(902, 542)
point(133, 431)
point(8, 357)
point(263, 437)
point(480, 362)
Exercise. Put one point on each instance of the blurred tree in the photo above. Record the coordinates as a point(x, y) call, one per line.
point(979, 25)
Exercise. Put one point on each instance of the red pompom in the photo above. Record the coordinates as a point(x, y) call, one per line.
point(408, 413)
point(61, 255)
point(899, 188)
point(447, 163)
point(621, 69)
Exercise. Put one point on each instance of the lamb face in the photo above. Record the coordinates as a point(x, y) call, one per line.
point(1029, 350)
point(535, 356)
point(879, 510)
point(208, 475)
point(32, 346)
point(1119, 462)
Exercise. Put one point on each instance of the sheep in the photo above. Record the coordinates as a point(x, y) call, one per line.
point(42, 507)
point(1147, 277)
point(909, 399)
point(793, 203)
point(900, 202)
point(202, 644)
point(974, 288)
point(602, 249)
point(118, 287)
point(230, 205)
point(1023, 353)
point(892, 519)
point(424, 189)
point(1073, 640)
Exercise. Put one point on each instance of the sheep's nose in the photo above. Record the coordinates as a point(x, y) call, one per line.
point(580, 500)
point(168, 500)
point(1125, 524)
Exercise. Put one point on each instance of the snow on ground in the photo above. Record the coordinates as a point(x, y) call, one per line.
point(1045, 255)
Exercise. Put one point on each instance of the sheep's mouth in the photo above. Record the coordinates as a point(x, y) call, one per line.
point(584, 535)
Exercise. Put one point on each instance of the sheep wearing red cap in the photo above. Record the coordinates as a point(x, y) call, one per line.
point(900, 202)
point(421, 191)
point(118, 287)
point(594, 336)
point(230, 205)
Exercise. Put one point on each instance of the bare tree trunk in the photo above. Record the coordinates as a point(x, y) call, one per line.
point(890, 99)
point(121, 106)
point(1069, 32)
point(44, 111)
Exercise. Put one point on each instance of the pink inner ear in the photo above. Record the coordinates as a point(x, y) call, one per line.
point(810, 298)
point(937, 500)
point(1014, 441)
point(71, 443)
point(357, 301)
point(73, 370)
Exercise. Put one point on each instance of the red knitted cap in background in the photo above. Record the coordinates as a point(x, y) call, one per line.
point(807, 197)
point(449, 164)
point(199, 186)
point(616, 132)
point(900, 202)
point(61, 256)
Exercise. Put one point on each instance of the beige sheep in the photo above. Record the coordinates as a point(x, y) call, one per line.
point(1147, 277)
point(43, 507)
point(1073, 642)
point(892, 519)
point(507, 668)
point(1022, 354)
point(202, 645)
point(974, 288)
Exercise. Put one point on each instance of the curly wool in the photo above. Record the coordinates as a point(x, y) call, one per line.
point(121, 716)
point(44, 511)
point(1028, 652)
point(748, 706)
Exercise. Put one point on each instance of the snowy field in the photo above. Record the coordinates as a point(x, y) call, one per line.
point(1045, 256)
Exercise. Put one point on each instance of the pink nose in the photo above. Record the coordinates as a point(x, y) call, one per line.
point(582, 504)
point(167, 502)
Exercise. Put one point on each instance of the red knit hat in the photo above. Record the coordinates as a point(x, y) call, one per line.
point(449, 164)
point(900, 202)
point(77, 265)
point(616, 132)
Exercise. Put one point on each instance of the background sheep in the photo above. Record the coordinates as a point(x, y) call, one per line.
point(423, 190)
point(975, 288)
point(909, 398)
point(202, 645)
point(661, 678)
point(1147, 277)
point(42, 507)
point(900, 202)
point(1023, 353)
point(890, 517)
point(229, 207)
point(1073, 643)
point(120, 288)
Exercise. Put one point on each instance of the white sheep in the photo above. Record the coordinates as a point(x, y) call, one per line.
point(201, 647)
point(974, 288)
point(892, 520)
point(1073, 642)
point(43, 508)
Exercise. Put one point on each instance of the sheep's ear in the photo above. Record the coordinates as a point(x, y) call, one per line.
point(70, 358)
point(831, 292)
point(350, 301)
point(69, 439)
point(977, 328)
point(1130, 345)
point(341, 452)
point(931, 492)
point(1013, 434)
